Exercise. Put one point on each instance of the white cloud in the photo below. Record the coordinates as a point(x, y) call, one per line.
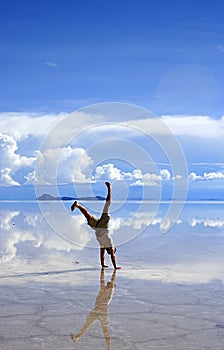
point(6, 178)
point(206, 176)
point(199, 126)
point(52, 65)
point(193, 176)
point(136, 177)
point(11, 161)
point(148, 179)
point(108, 171)
point(165, 174)
point(111, 172)
point(17, 127)
point(29, 178)
point(181, 125)
point(68, 165)
point(21, 125)
point(213, 175)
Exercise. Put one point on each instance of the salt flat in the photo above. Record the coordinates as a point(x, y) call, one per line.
point(168, 295)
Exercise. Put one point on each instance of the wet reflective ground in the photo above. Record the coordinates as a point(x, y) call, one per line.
point(168, 295)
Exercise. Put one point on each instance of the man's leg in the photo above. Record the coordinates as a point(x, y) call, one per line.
point(108, 198)
point(83, 210)
point(108, 191)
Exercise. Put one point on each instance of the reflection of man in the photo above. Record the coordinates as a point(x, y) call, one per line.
point(100, 311)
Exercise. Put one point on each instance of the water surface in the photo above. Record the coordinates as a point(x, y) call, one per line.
point(168, 295)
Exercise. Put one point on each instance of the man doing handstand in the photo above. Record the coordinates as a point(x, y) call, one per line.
point(101, 228)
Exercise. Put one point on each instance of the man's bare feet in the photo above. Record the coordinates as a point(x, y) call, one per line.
point(117, 268)
point(74, 205)
point(107, 184)
point(103, 266)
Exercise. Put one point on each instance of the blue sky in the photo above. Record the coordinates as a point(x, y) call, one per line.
point(57, 55)
point(166, 56)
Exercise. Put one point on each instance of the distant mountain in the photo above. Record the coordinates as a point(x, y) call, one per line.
point(135, 193)
point(49, 197)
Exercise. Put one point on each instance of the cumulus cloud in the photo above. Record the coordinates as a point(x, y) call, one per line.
point(193, 176)
point(206, 176)
point(165, 174)
point(147, 179)
point(108, 171)
point(11, 160)
point(17, 127)
point(6, 178)
point(67, 164)
point(136, 177)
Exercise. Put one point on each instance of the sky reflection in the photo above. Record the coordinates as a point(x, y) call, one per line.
point(192, 251)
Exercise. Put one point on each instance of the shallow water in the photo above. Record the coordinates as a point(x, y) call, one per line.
point(168, 295)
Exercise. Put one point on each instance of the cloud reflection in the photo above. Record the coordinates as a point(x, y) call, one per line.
point(19, 227)
point(191, 252)
point(207, 222)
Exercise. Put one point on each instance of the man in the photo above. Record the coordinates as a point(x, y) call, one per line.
point(101, 228)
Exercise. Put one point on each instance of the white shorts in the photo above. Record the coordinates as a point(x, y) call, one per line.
point(102, 236)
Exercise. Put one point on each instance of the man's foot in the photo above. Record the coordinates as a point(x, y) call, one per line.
point(74, 205)
point(107, 184)
point(103, 266)
point(117, 268)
